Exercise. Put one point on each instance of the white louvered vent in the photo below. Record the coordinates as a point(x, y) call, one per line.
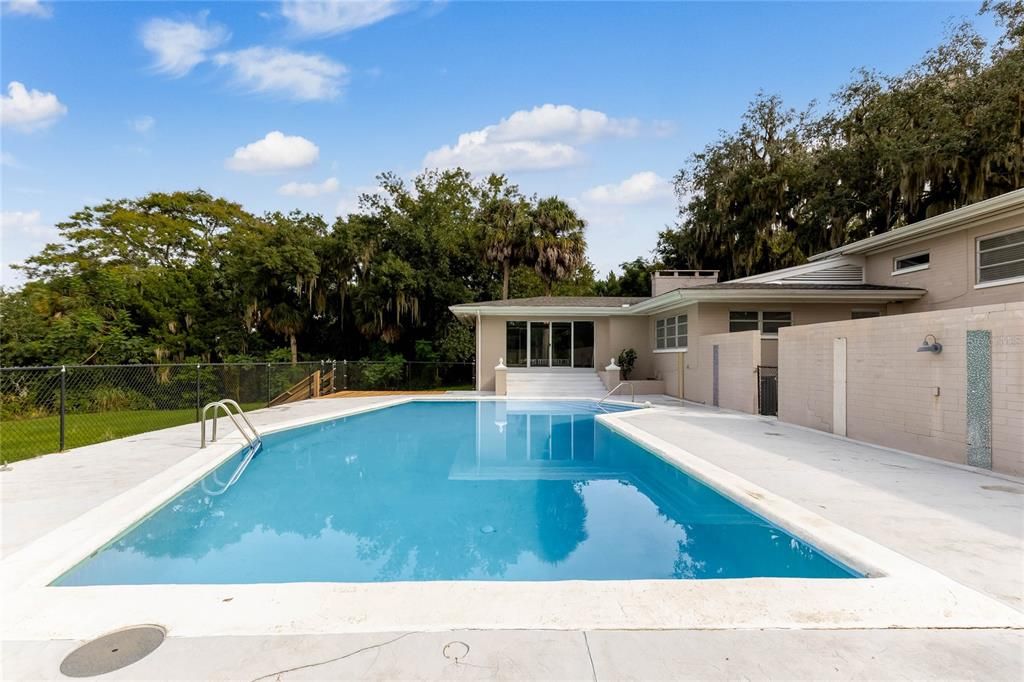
point(839, 274)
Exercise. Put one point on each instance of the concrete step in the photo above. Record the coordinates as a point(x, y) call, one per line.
point(554, 384)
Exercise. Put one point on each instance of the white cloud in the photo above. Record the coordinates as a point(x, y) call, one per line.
point(32, 8)
point(309, 189)
point(275, 152)
point(179, 46)
point(26, 223)
point(7, 159)
point(477, 154)
point(639, 188)
point(561, 121)
point(297, 75)
point(29, 110)
point(142, 124)
point(23, 234)
point(537, 139)
point(318, 18)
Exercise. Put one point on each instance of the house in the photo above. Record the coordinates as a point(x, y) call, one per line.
point(703, 340)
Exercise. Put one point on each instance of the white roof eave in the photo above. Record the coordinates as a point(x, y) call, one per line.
point(959, 219)
point(683, 297)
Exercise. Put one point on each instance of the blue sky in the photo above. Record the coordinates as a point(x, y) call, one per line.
point(299, 105)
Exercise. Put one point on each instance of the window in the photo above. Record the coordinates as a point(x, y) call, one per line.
point(670, 332)
point(743, 321)
point(864, 314)
point(515, 344)
point(911, 263)
point(770, 322)
point(1001, 257)
point(767, 322)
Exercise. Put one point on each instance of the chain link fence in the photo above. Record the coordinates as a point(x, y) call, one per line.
point(51, 409)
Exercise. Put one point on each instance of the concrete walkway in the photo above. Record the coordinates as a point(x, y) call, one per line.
point(991, 655)
point(966, 524)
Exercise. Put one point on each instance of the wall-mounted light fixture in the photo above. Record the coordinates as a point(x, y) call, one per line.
point(933, 347)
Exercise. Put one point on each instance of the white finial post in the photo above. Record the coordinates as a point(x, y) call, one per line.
point(500, 378)
point(612, 367)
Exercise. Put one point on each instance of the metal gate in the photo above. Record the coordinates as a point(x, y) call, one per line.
point(767, 390)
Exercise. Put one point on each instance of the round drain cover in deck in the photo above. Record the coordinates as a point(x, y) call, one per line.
point(113, 652)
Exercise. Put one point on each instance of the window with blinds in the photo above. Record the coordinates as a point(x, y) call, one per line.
point(1001, 257)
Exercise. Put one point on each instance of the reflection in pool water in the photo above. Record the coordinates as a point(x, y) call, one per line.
point(474, 490)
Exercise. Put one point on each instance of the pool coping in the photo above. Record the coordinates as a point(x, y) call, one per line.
point(899, 592)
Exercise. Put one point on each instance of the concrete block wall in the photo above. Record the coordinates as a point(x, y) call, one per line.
point(899, 398)
point(739, 354)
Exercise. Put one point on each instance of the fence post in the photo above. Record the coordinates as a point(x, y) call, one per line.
point(269, 397)
point(344, 375)
point(198, 396)
point(63, 403)
point(334, 375)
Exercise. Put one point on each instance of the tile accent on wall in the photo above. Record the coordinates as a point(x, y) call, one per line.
point(714, 375)
point(979, 398)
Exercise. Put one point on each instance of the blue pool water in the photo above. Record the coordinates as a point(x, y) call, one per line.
point(474, 490)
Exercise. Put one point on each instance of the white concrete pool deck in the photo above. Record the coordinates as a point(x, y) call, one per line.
point(965, 525)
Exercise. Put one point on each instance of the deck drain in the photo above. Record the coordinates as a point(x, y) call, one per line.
point(1003, 489)
point(113, 651)
point(455, 651)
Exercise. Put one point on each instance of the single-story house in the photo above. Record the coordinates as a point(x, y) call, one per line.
point(912, 339)
point(969, 257)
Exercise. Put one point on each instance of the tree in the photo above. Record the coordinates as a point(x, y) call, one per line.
point(892, 150)
point(634, 281)
point(273, 269)
point(505, 218)
point(556, 245)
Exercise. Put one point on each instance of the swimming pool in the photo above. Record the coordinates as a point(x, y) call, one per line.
point(451, 490)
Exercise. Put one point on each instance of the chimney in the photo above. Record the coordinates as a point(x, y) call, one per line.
point(664, 281)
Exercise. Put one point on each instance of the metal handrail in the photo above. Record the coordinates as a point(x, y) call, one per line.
point(224, 404)
point(632, 391)
point(255, 441)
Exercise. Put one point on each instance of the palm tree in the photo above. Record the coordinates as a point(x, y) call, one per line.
point(287, 321)
point(506, 222)
point(556, 246)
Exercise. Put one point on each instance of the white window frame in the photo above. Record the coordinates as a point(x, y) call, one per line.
point(977, 262)
point(896, 270)
point(760, 321)
point(872, 313)
point(662, 341)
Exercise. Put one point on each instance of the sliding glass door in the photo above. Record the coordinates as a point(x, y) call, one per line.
point(561, 344)
point(583, 344)
point(549, 344)
point(540, 344)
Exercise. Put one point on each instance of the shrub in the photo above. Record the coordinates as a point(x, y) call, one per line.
point(627, 358)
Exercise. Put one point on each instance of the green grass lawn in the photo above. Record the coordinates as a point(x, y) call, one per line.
point(25, 438)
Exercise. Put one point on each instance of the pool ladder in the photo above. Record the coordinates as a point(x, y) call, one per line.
point(252, 437)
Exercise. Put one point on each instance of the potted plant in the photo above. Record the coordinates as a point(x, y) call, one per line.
point(627, 358)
